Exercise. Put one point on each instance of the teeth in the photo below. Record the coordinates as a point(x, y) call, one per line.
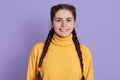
point(63, 30)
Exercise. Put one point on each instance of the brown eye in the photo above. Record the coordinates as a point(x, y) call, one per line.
point(58, 20)
point(69, 20)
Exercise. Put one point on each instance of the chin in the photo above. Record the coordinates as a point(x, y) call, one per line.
point(63, 36)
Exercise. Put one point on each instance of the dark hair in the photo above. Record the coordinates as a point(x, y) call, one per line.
point(54, 9)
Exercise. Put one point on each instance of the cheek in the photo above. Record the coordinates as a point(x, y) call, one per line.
point(71, 25)
point(56, 25)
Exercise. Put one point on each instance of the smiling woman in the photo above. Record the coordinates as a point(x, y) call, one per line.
point(61, 56)
point(63, 23)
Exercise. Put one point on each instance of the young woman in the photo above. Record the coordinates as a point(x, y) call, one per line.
point(61, 56)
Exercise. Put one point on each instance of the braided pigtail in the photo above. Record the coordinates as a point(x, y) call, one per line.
point(77, 46)
point(45, 49)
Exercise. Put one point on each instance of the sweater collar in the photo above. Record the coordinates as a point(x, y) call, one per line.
point(67, 41)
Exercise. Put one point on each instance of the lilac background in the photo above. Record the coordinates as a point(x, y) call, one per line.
point(24, 23)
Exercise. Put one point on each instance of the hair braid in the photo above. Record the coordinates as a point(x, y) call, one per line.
point(77, 46)
point(45, 49)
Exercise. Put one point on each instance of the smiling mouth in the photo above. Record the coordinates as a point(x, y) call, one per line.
point(63, 30)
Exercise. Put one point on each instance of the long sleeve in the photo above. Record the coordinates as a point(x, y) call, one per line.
point(89, 73)
point(60, 63)
point(32, 64)
point(88, 65)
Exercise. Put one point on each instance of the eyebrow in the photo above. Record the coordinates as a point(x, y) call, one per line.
point(61, 18)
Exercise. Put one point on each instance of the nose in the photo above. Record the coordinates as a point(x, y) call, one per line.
point(63, 24)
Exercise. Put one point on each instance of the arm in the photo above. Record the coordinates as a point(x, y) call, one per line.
point(88, 65)
point(89, 70)
point(32, 65)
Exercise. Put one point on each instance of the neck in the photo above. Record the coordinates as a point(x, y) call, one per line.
point(62, 41)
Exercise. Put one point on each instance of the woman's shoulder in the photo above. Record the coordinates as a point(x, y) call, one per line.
point(38, 46)
point(85, 50)
point(84, 47)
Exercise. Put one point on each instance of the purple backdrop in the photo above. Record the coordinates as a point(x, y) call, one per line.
point(24, 23)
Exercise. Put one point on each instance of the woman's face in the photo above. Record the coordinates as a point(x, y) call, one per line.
point(63, 23)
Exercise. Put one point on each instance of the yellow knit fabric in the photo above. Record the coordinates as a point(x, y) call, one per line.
point(61, 61)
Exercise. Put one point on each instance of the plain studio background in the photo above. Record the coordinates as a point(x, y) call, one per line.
point(24, 23)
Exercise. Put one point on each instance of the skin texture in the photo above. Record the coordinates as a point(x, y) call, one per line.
point(63, 23)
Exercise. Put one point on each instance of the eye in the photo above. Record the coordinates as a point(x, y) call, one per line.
point(58, 20)
point(69, 20)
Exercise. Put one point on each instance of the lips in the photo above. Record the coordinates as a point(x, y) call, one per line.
point(63, 30)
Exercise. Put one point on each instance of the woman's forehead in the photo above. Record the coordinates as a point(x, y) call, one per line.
point(63, 13)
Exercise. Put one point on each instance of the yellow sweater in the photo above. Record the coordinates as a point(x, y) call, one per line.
point(61, 61)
